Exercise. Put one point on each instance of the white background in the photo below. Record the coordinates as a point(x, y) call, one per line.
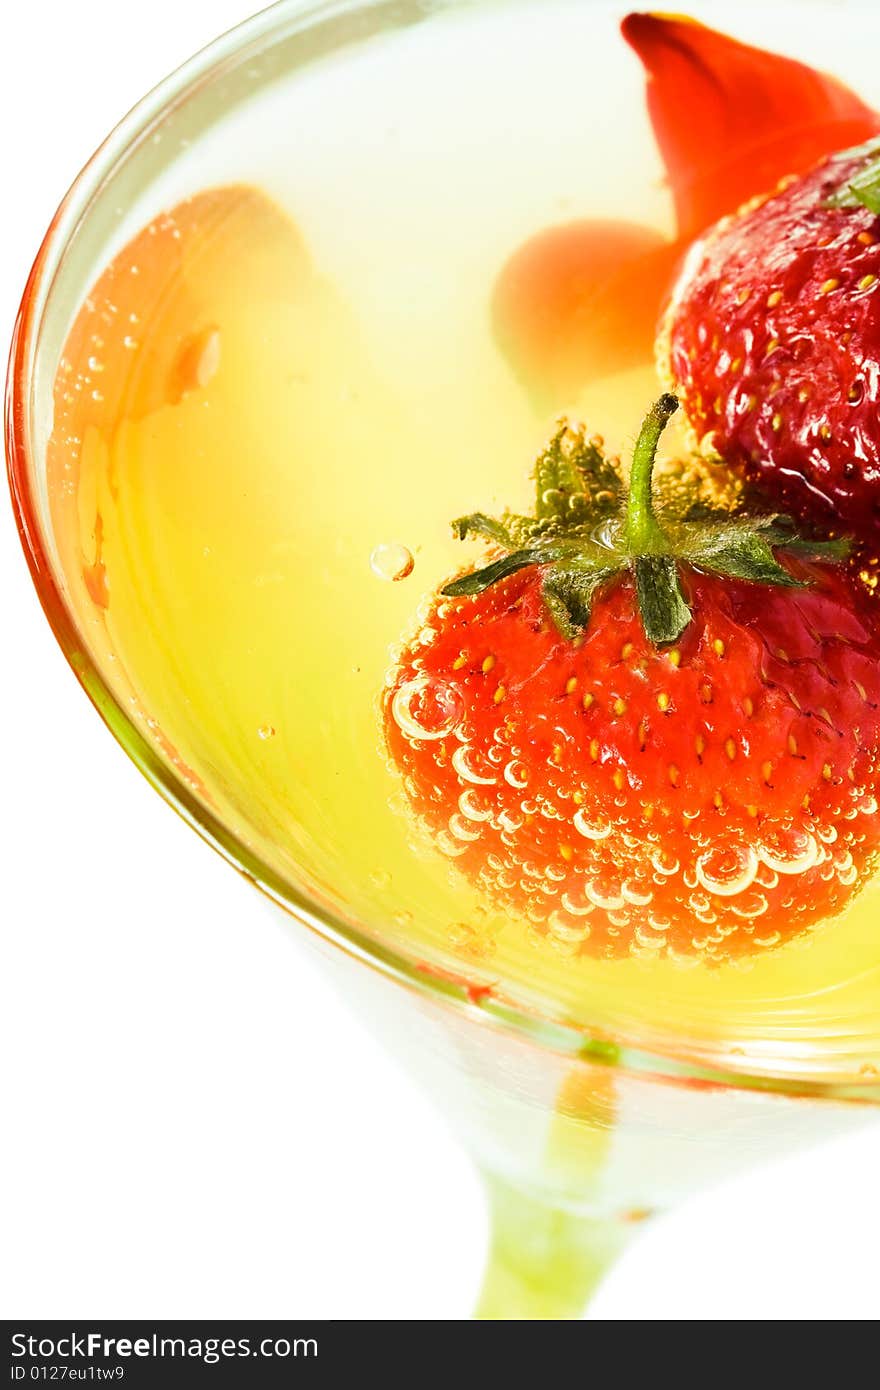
point(194, 1125)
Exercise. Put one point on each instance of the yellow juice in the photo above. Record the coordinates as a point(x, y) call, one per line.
point(287, 380)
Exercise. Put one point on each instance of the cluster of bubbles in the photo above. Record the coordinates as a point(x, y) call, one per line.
point(496, 834)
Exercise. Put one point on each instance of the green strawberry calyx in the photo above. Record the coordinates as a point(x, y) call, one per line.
point(863, 188)
point(588, 528)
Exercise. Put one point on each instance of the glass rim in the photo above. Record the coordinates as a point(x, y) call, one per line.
point(566, 1038)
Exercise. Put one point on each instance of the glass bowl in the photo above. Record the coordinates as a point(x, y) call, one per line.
point(581, 1126)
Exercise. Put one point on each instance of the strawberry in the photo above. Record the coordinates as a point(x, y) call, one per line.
point(773, 341)
point(643, 732)
point(582, 299)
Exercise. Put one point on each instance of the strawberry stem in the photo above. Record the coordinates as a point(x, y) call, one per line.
point(586, 530)
point(644, 534)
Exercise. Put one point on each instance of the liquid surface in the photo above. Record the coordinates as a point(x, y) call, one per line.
point(274, 401)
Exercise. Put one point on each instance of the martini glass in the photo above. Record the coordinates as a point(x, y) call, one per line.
point(583, 1120)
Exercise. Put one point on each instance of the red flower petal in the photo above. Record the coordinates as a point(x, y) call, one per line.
point(580, 300)
point(732, 120)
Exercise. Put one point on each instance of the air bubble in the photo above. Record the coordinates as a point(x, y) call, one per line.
point(391, 561)
point(726, 872)
point(636, 894)
point(199, 360)
point(266, 731)
point(516, 774)
point(462, 829)
point(468, 766)
point(682, 960)
point(772, 939)
point(576, 909)
point(471, 805)
point(463, 936)
point(426, 708)
point(751, 906)
point(590, 831)
point(380, 878)
point(660, 924)
point(605, 895)
point(562, 948)
point(789, 851)
point(648, 940)
point(448, 846)
point(663, 864)
point(567, 931)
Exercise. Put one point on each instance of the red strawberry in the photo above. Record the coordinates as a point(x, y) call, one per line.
point(773, 341)
point(623, 794)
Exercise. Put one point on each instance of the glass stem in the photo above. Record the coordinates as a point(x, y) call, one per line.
point(545, 1261)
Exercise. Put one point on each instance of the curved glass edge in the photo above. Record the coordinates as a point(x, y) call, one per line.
point(563, 1038)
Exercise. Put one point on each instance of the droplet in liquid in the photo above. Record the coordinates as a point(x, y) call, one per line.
point(590, 831)
point(516, 774)
point(425, 708)
point(391, 561)
point(727, 871)
point(471, 805)
point(603, 893)
point(788, 850)
point(471, 767)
